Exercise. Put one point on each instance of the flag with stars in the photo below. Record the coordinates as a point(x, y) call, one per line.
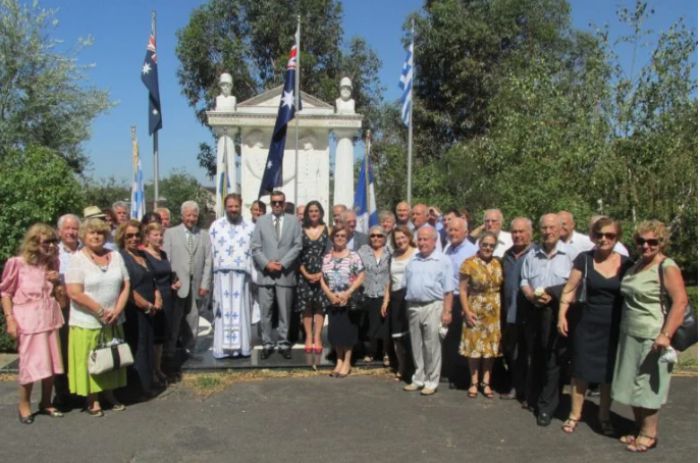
point(272, 178)
point(149, 77)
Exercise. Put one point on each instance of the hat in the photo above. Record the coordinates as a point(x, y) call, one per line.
point(93, 212)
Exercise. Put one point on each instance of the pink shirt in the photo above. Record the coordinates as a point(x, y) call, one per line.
point(33, 307)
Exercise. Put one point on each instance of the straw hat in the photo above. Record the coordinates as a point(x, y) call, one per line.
point(93, 212)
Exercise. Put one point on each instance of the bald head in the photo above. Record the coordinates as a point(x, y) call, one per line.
point(493, 220)
point(350, 219)
point(521, 232)
point(427, 239)
point(338, 210)
point(457, 231)
point(550, 230)
point(419, 215)
point(567, 225)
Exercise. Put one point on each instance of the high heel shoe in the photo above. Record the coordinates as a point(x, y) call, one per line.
point(318, 349)
point(309, 349)
point(29, 419)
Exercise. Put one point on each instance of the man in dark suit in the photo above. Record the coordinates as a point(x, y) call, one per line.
point(355, 238)
point(275, 246)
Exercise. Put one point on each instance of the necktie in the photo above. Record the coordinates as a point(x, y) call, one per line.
point(277, 227)
point(190, 247)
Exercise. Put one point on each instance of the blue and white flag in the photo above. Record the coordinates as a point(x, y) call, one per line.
point(149, 77)
point(138, 199)
point(366, 213)
point(406, 85)
point(272, 178)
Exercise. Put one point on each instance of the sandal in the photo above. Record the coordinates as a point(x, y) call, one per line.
point(606, 427)
point(569, 425)
point(628, 439)
point(489, 394)
point(386, 362)
point(473, 391)
point(51, 411)
point(638, 447)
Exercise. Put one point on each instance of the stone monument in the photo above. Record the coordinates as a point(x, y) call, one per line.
point(226, 175)
point(306, 166)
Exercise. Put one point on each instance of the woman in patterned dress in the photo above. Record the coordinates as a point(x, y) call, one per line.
point(481, 277)
point(343, 274)
point(310, 298)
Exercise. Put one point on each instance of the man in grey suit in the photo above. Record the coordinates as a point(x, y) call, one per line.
point(189, 251)
point(355, 238)
point(275, 245)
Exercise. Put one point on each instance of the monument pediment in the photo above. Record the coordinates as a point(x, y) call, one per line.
point(269, 101)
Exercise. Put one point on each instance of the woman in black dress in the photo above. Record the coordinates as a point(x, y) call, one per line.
point(144, 302)
point(600, 272)
point(166, 282)
point(310, 299)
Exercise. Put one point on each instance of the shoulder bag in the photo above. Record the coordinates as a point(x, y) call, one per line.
point(687, 333)
point(583, 288)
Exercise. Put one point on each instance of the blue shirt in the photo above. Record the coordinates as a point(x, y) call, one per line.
point(428, 278)
point(512, 266)
point(458, 254)
point(543, 271)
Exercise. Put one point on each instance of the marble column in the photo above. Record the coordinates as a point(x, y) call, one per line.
point(344, 187)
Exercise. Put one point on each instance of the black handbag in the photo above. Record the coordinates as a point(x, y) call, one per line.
point(583, 288)
point(687, 333)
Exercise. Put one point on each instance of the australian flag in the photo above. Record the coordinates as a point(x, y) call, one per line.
point(272, 178)
point(149, 77)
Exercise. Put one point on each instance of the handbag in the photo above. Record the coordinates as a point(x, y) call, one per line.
point(109, 356)
point(583, 289)
point(687, 333)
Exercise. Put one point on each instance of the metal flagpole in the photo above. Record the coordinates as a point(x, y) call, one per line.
point(297, 39)
point(155, 134)
point(368, 149)
point(409, 174)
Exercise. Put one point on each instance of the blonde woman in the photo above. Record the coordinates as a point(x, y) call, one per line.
point(31, 290)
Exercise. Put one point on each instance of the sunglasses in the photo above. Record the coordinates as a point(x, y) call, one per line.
point(376, 236)
point(129, 236)
point(49, 242)
point(651, 242)
point(608, 236)
point(487, 246)
point(277, 203)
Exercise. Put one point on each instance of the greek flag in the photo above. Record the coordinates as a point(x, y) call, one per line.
point(406, 85)
point(366, 214)
point(138, 200)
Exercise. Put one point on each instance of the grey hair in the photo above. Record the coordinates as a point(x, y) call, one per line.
point(549, 214)
point(189, 205)
point(460, 220)
point(528, 222)
point(433, 231)
point(498, 211)
point(64, 217)
point(376, 228)
point(163, 209)
point(386, 214)
point(120, 204)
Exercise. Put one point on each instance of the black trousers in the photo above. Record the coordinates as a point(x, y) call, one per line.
point(514, 343)
point(545, 353)
point(454, 367)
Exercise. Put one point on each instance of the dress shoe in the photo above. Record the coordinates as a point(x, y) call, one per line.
point(266, 352)
point(29, 419)
point(412, 387)
point(544, 419)
point(509, 395)
point(428, 391)
point(286, 353)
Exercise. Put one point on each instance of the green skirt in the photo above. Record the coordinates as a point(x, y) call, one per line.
point(81, 341)
point(640, 380)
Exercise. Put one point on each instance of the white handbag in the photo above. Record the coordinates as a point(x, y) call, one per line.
point(109, 356)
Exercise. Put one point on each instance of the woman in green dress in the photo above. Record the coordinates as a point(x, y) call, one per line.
point(641, 379)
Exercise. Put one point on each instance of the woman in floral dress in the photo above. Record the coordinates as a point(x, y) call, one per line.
point(481, 277)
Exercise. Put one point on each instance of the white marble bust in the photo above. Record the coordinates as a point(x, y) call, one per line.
point(345, 104)
point(225, 101)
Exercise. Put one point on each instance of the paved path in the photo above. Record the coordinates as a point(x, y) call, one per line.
point(319, 419)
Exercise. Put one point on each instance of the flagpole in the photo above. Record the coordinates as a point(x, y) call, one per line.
point(368, 148)
point(409, 166)
point(155, 133)
point(297, 39)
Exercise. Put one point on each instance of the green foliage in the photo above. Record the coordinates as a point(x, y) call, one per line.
point(177, 188)
point(105, 192)
point(44, 99)
point(36, 185)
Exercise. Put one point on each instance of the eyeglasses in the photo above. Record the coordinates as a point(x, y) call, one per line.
point(129, 236)
point(487, 246)
point(376, 236)
point(49, 242)
point(277, 203)
point(608, 236)
point(650, 242)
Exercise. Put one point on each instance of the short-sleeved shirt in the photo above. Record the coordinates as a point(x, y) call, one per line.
point(103, 285)
point(458, 254)
point(543, 271)
point(641, 313)
point(341, 273)
point(376, 271)
point(429, 278)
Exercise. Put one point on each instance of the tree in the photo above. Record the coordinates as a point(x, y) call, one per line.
point(251, 40)
point(44, 99)
point(179, 187)
point(105, 192)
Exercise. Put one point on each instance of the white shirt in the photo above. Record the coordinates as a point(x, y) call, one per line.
point(580, 243)
point(505, 242)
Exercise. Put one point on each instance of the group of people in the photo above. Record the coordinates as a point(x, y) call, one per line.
point(420, 291)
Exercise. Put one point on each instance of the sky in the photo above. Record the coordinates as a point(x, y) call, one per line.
point(120, 31)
